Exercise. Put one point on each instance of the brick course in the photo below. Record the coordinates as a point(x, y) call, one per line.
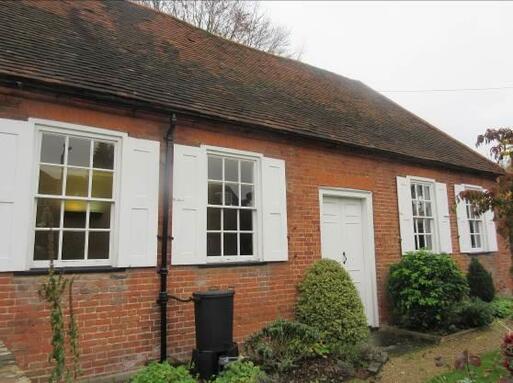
point(117, 312)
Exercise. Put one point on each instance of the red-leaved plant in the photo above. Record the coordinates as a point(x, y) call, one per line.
point(507, 352)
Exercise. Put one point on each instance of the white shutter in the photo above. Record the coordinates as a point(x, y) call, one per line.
point(444, 221)
point(491, 232)
point(16, 175)
point(189, 206)
point(274, 210)
point(139, 201)
point(463, 225)
point(405, 215)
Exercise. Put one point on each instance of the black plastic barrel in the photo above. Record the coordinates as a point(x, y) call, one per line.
point(213, 311)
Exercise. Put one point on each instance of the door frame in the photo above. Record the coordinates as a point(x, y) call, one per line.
point(365, 197)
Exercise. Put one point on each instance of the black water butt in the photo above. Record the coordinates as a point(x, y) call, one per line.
point(213, 312)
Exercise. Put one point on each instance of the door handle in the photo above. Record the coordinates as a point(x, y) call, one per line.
point(345, 258)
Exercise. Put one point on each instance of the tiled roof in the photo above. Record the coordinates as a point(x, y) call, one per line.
point(125, 50)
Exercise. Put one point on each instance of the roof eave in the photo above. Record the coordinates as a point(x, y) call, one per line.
point(45, 86)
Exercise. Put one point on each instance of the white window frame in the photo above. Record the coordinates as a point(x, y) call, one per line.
point(40, 126)
point(435, 229)
point(258, 190)
point(484, 226)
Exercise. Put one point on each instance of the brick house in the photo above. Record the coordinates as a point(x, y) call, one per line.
point(275, 165)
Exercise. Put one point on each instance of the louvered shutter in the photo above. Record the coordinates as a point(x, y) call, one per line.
point(444, 222)
point(405, 215)
point(16, 176)
point(274, 210)
point(139, 193)
point(189, 206)
point(491, 232)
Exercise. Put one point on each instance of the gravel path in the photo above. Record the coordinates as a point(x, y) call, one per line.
point(418, 366)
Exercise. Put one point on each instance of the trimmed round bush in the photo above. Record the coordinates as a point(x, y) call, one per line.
point(480, 281)
point(423, 287)
point(329, 301)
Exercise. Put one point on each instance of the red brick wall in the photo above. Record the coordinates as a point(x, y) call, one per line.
point(117, 312)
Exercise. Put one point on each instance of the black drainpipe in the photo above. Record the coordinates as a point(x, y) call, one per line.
point(163, 271)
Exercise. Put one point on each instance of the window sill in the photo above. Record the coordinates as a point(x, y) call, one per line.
point(231, 264)
point(72, 270)
point(478, 253)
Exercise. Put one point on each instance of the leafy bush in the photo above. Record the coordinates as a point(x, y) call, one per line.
point(282, 344)
point(163, 373)
point(480, 281)
point(329, 301)
point(502, 307)
point(423, 286)
point(472, 313)
point(241, 372)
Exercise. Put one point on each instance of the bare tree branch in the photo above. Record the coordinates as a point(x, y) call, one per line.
point(238, 20)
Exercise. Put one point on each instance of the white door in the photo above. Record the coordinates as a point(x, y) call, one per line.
point(343, 239)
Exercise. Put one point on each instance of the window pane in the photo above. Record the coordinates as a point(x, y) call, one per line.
point(246, 171)
point(46, 243)
point(471, 227)
point(230, 219)
point(73, 243)
point(478, 241)
point(422, 242)
point(429, 212)
point(231, 170)
point(75, 214)
point(79, 151)
point(215, 168)
point(427, 226)
point(53, 148)
point(417, 243)
point(230, 244)
point(213, 244)
point(246, 220)
point(48, 212)
point(231, 196)
point(420, 195)
point(246, 244)
point(213, 219)
point(99, 215)
point(473, 241)
point(50, 180)
point(102, 184)
point(429, 243)
point(215, 193)
point(414, 208)
point(420, 226)
point(421, 209)
point(413, 194)
point(427, 194)
point(246, 195)
point(77, 182)
point(103, 155)
point(98, 247)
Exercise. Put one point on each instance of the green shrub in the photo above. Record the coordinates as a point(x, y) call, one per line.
point(480, 281)
point(502, 307)
point(241, 372)
point(282, 344)
point(423, 286)
point(163, 373)
point(329, 301)
point(472, 313)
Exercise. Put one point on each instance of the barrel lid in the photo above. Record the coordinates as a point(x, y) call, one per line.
point(213, 294)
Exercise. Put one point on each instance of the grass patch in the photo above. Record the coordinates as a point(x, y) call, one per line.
point(490, 371)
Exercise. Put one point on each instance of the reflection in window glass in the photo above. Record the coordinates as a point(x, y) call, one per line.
point(231, 200)
point(74, 225)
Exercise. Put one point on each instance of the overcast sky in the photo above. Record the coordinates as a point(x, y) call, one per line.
point(415, 46)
